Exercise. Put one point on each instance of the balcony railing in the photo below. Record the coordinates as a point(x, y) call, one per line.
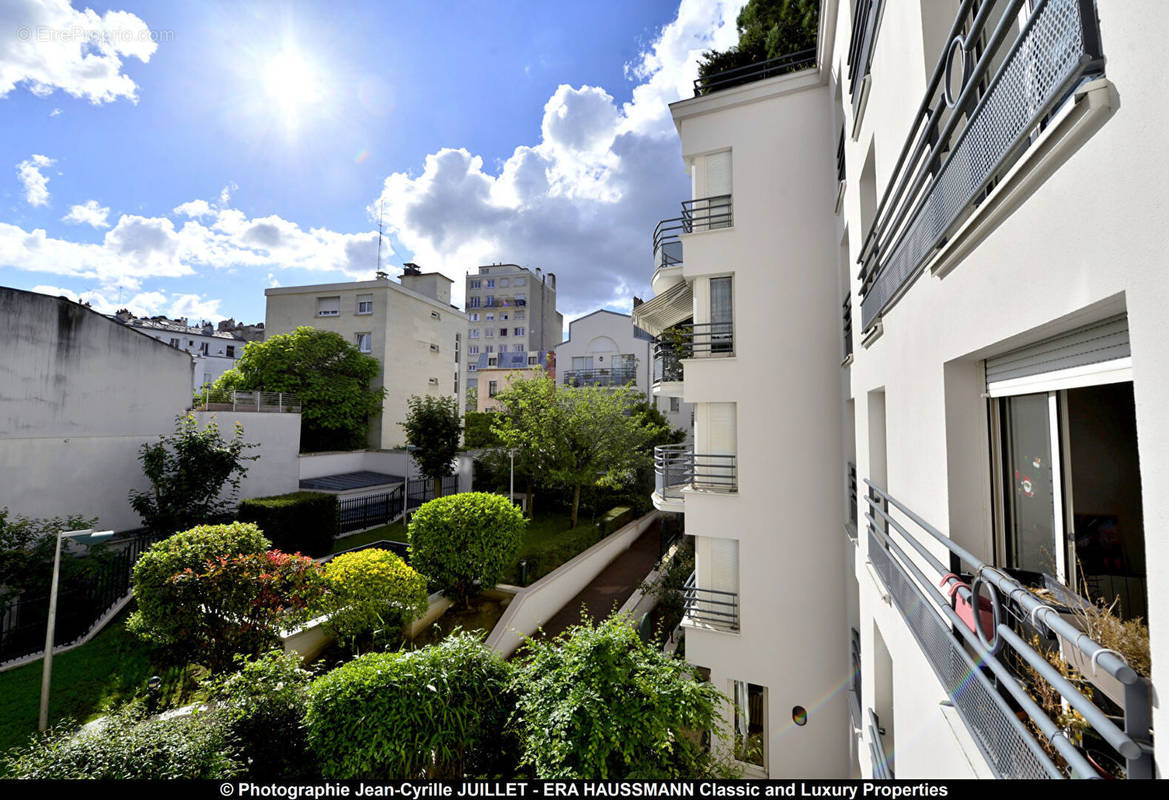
point(958, 146)
point(692, 340)
point(677, 467)
point(985, 665)
point(860, 49)
point(264, 402)
point(881, 770)
point(704, 213)
point(852, 505)
point(792, 62)
point(620, 376)
point(711, 608)
point(840, 173)
point(846, 321)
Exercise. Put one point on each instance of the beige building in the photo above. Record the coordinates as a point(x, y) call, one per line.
point(410, 327)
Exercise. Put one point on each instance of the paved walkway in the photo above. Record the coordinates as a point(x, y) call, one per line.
point(612, 587)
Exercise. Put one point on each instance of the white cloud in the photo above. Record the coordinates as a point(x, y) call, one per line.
point(583, 201)
point(144, 304)
point(89, 213)
point(48, 45)
point(193, 306)
point(56, 112)
point(35, 182)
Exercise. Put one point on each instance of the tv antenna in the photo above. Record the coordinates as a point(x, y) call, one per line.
point(380, 207)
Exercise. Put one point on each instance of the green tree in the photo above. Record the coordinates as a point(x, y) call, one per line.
point(26, 551)
point(329, 375)
point(575, 437)
point(433, 426)
point(477, 430)
point(598, 703)
point(767, 29)
point(523, 426)
point(438, 712)
point(189, 472)
point(464, 540)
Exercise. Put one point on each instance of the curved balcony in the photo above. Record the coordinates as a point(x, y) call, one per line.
point(701, 340)
point(700, 214)
point(677, 468)
point(709, 608)
point(620, 376)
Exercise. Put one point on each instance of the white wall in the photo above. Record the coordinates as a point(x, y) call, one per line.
point(277, 471)
point(390, 462)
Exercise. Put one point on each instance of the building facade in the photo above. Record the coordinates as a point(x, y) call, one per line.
point(510, 309)
point(496, 372)
point(409, 327)
point(942, 232)
point(605, 348)
point(213, 350)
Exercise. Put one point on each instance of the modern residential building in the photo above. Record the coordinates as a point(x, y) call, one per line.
point(496, 371)
point(214, 350)
point(510, 309)
point(605, 348)
point(942, 233)
point(409, 326)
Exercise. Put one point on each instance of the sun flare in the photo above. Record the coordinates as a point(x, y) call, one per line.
point(292, 82)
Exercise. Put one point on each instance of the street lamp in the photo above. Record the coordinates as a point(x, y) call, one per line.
point(511, 483)
point(47, 673)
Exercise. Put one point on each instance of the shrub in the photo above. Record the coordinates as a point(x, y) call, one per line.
point(549, 555)
point(300, 522)
point(598, 703)
point(372, 594)
point(436, 712)
point(262, 706)
point(189, 549)
point(242, 603)
point(477, 430)
point(614, 518)
point(464, 539)
point(195, 746)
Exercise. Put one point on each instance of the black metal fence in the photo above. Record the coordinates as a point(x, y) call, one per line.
point(422, 489)
point(357, 513)
point(79, 605)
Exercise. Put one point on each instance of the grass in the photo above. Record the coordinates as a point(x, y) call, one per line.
point(481, 616)
point(108, 671)
point(395, 531)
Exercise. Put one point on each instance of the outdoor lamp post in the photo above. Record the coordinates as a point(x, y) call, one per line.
point(89, 536)
point(511, 480)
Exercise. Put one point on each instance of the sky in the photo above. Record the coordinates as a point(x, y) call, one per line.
point(179, 158)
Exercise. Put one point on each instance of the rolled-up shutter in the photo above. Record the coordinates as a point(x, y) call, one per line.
point(1092, 354)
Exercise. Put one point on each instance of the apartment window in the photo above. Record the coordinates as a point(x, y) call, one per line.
point(475, 284)
point(328, 306)
point(503, 283)
point(521, 297)
point(190, 343)
point(204, 347)
point(435, 315)
point(231, 351)
point(750, 723)
point(490, 300)
point(675, 405)
point(519, 331)
point(518, 315)
point(473, 301)
point(519, 282)
point(491, 333)
point(473, 349)
point(174, 342)
point(531, 361)
point(490, 283)
point(472, 367)
point(503, 348)
point(364, 342)
point(492, 388)
point(475, 317)
point(721, 316)
point(474, 333)
point(503, 332)
point(490, 316)
point(365, 304)
point(492, 362)
point(503, 316)
point(458, 346)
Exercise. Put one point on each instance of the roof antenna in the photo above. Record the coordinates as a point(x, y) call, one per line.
point(381, 206)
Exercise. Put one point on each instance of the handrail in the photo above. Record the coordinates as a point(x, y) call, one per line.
point(791, 62)
point(701, 213)
point(881, 770)
point(691, 340)
point(887, 555)
point(617, 376)
point(716, 608)
point(677, 467)
point(955, 148)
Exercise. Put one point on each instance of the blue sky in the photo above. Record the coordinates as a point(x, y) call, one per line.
point(179, 158)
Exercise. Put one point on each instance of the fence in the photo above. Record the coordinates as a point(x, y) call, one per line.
point(263, 402)
point(23, 620)
point(419, 490)
point(357, 513)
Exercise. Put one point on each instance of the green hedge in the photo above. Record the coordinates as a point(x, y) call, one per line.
point(300, 522)
point(614, 518)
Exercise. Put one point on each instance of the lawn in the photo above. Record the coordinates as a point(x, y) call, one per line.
point(395, 531)
point(111, 669)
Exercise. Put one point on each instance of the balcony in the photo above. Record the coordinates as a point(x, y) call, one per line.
point(704, 213)
point(677, 467)
point(692, 340)
point(865, 16)
point(709, 608)
point(993, 675)
point(620, 376)
point(748, 73)
point(959, 147)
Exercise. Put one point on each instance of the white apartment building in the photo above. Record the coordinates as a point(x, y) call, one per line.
point(510, 309)
point(410, 327)
point(965, 201)
point(213, 351)
point(605, 348)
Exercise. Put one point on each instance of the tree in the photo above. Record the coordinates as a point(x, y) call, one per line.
point(524, 427)
point(188, 472)
point(372, 594)
point(598, 703)
point(588, 436)
point(26, 551)
point(433, 427)
point(464, 540)
point(767, 29)
point(438, 712)
point(477, 432)
point(329, 375)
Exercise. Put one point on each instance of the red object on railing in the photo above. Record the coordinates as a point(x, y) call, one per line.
point(963, 606)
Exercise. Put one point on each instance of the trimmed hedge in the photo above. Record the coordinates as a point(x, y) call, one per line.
point(615, 518)
point(299, 522)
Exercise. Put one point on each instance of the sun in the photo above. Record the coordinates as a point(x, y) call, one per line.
point(293, 83)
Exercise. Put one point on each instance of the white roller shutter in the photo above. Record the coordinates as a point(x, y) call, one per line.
point(718, 174)
point(1093, 354)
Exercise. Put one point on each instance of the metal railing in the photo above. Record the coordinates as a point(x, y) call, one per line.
point(700, 214)
point(846, 322)
point(711, 608)
point(991, 698)
point(419, 490)
point(881, 768)
point(259, 401)
point(958, 146)
point(356, 513)
point(701, 340)
point(792, 62)
point(678, 467)
point(840, 172)
point(852, 498)
point(860, 49)
point(618, 376)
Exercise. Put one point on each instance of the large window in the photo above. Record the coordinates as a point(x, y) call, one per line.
point(750, 723)
point(328, 306)
point(721, 316)
point(363, 341)
point(365, 304)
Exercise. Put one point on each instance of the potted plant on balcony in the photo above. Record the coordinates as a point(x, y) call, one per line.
point(1101, 624)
